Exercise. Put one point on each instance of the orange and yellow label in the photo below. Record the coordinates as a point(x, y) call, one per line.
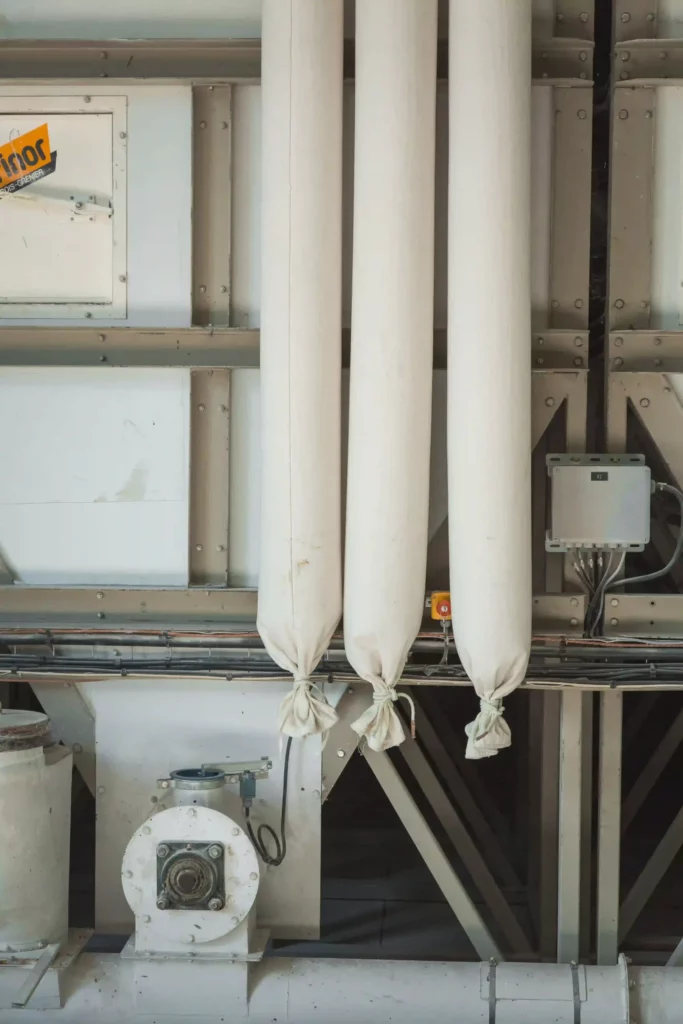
point(25, 160)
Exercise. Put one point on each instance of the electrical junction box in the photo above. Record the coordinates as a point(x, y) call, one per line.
point(599, 501)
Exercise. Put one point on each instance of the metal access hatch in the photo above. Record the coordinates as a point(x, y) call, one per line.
point(63, 218)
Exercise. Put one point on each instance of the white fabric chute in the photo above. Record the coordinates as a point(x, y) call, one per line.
point(489, 353)
point(391, 348)
point(300, 574)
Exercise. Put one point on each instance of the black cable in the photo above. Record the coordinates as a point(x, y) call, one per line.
point(262, 831)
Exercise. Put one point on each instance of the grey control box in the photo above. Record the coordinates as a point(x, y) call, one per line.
point(599, 501)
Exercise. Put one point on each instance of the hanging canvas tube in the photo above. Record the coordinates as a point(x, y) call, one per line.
point(489, 355)
point(391, 348)
point(300, 573)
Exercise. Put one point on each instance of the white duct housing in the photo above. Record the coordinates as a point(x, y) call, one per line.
point(391, 348)
point(489, 353)
point(35, 815)
point(300, 575)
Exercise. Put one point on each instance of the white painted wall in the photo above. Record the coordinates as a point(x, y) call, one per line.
point(94, 475)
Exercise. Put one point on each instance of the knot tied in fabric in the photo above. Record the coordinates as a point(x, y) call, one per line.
point(305, 711)
point(489, 732)
point(380, 725)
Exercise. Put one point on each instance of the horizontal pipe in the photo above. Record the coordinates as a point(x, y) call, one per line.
point(111, 990)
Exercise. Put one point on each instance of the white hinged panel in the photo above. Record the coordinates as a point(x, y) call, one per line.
point(65, 233)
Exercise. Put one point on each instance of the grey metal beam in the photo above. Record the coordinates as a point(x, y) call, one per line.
point(570, 819)
point(471, 858)
point(645, 615)
point(676, 958)
point(651, 875)
point(548, 827)
point(342, 741)
point(609, 830)
point(129, 346)
point(635, 19)
point(446, 878)
point(110, 607)
point(490, 845)
point(229, 60)
point(571, 210)
point(211, 204)
point(219, 346)
point(586, 895)
point(72, 723)
point(646, 351)
point(209, 476)
point(650, 60)
point(631, 208)
point(661, 756)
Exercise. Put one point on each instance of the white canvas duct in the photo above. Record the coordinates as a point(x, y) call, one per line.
point(489, 353)
point(300, 574)
point(391, 348)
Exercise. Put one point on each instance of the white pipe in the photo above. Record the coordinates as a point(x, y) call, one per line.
point(110, 990)
point(300, 573)
point(489, 352)
point(391, 348)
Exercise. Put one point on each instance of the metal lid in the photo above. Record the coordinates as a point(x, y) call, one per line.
point(23, 730)
point(197, 778)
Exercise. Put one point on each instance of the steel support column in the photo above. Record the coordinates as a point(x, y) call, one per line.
point(609, 830)
point(570, 817)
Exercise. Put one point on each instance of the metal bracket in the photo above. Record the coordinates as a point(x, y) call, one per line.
point(647, 59)
point(236, 770)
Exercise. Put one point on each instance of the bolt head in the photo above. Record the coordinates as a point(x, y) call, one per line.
point(582, 115)
point(146, 919)
point(122, 135)
point(100, 615)
point(199, 547)
point(583, 16)
point(341, 753)
point(650, 17)
point(623, 114)
point(663, 55)
point(578, 342)
point(578, 361)
point(201, 407)
point(648, 114)
point(253, 876)
point(235, 831)
point(573, 622)
point(619, 303)
point(215, 903)
point(202, 124)
point(202, 288)
point(614, 622)
point(162, 902)
point(615, 602)
point(127, 874)
point(644, 403)
point(162, 850)
point(618, 361)
point(550, 402)
point(625, 55)
point(626, 16)
point(578, 303)
point(583, 56)
point(618, 342)
point(554, 304)
point(146, 830)
point(88, 316)
point(215, 851)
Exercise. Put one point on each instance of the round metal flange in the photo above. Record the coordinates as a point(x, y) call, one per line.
point(190, 825)
point(198, 779)
point(23, 730)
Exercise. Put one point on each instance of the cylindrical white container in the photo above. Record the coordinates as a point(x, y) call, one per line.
point(35, 812)
point(489, 352)
point(391, 348)
point(300, 574)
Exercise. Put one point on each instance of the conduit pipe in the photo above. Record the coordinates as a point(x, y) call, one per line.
point(391, 348)
point(300, 575)
point(489, 360)
point(111, 990)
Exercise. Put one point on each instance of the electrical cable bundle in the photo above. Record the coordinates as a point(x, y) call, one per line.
point(600, 571)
